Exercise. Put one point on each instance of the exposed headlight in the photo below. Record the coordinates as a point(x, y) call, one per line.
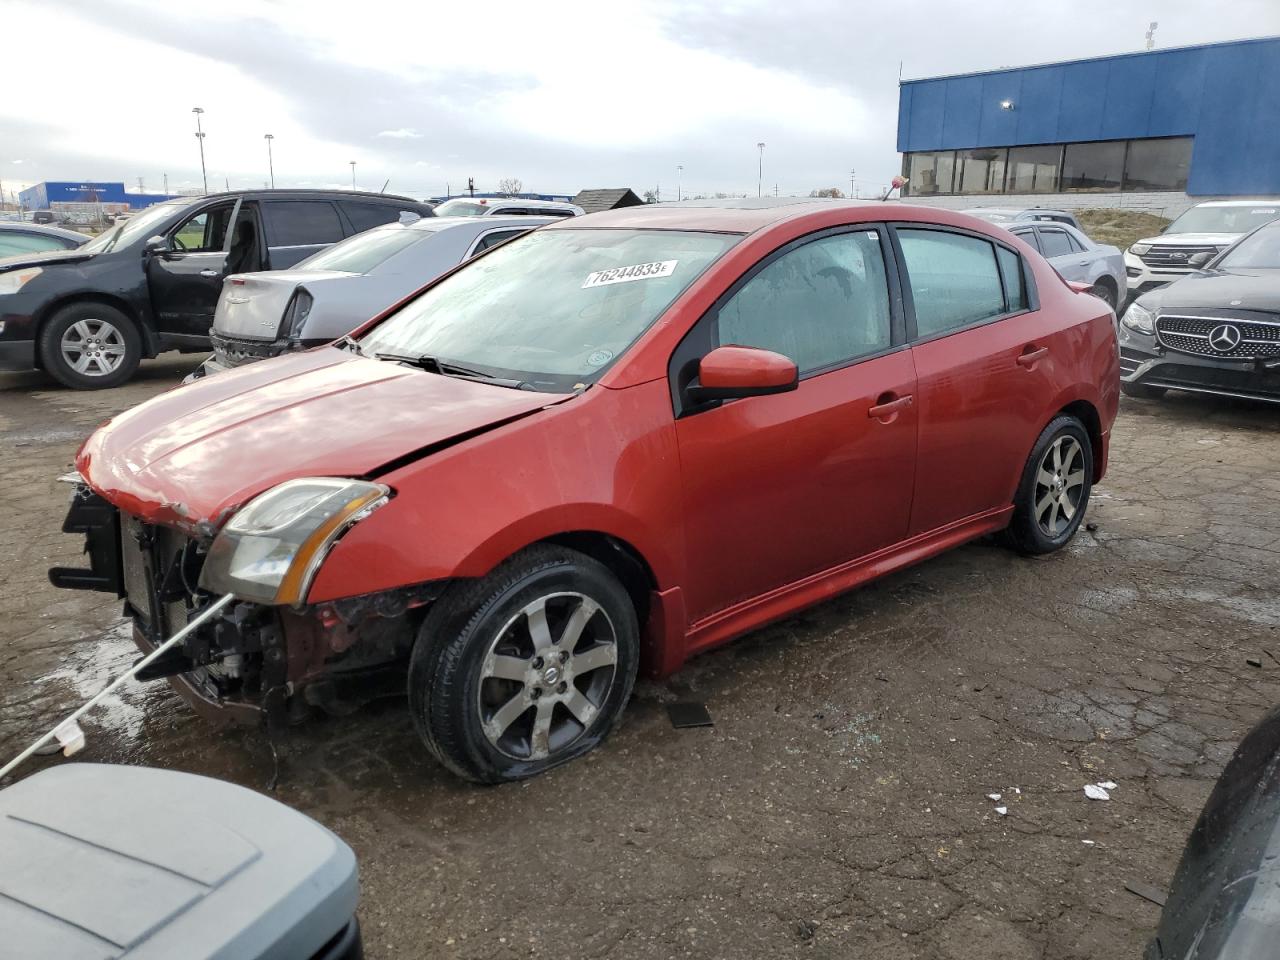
point(1138, 249)
point(1139, 318)
point(15, 280)
point(270, 551)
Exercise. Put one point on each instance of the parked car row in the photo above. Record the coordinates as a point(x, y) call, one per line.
point(88, 315)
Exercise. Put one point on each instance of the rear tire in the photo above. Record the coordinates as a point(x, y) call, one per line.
point(90, 346)
point(1140, 391)
point(526, 668)
point(1106, 293)
point(1054, 492)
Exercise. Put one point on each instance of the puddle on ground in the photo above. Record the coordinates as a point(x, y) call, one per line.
point(1250, 609)
point(95, 665)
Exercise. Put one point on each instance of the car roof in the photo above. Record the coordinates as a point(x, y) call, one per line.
point(497, 222)
point(744, 215)
point(302, 193)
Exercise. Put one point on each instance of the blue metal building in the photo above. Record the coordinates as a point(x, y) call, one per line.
point(40, 196)
point(1203, 120)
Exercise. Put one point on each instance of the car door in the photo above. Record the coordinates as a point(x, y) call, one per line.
point(298, 228)
point(185, 278)
point(781, 487)
point(983, 356)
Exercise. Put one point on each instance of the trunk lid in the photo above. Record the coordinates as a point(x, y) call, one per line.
point(252, 305)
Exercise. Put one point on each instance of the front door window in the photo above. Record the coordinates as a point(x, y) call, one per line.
point(205, 232)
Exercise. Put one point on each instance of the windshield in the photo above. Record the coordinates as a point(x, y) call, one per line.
point(142, 224)
point(1223, 219)
point(461, 208)
point(363, 252)
point(1258, 251)
point(553, 308)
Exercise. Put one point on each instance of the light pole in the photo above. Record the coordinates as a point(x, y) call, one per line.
point(760, 171)
point(353, 173)
point(271, 167)
point(679, 177)
point(853, 184)
point(200, 139)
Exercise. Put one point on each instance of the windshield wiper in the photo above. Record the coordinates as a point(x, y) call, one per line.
point(432, 364)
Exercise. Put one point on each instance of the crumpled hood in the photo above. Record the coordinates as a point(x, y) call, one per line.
point(191, 456)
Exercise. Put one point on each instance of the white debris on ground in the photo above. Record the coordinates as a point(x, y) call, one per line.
point(1099, 791)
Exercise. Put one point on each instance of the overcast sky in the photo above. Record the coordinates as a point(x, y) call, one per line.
point(559, 94)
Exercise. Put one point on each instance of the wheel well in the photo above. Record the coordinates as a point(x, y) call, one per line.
point(116, 303)
point(623, 560)
point(1106, 280)
point(1084, 411)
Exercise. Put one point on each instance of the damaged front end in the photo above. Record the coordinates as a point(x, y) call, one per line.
point(269, 654)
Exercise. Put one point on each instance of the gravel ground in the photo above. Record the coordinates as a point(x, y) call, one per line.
point(839, 805)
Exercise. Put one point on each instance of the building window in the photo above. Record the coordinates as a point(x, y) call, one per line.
point(1158, 164)
point(980, 171)
point(929, 173)
point(1093, 167)
point(1033, 169)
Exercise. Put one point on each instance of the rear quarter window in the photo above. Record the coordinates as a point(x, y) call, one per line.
point(363, 216)
point(301, 223)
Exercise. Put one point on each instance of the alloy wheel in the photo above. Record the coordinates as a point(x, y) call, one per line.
point(92, 347)
point(1059, 486)
point(547, 675)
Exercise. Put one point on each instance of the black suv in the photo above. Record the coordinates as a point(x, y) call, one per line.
point(150, 284)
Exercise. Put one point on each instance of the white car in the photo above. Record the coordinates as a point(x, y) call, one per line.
point(1192, 240)
point(507, 207)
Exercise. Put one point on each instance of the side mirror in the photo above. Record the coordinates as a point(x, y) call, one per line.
point(1200, 259)
point(727, 373)
point(157, 244)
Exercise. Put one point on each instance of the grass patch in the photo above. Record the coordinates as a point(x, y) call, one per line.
point(1119, 227)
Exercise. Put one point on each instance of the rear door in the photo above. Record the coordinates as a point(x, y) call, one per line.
point(777, 488)
point(984, 356)
point(185, 281)
point(298, 228)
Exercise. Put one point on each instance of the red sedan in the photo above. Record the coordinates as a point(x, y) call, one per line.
point(600, 448)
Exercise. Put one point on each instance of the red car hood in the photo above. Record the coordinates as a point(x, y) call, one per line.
point(191, 456)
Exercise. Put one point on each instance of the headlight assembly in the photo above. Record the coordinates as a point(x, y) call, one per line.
point(14, 280)
point(1138, 249)
point(270, 550)
point(1139, 318)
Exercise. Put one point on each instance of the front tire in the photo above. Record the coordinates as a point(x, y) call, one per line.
point(526, 668)
point(90, 346)
point(1054, 492)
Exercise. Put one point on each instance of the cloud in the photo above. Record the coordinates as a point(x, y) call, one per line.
point(402, 133)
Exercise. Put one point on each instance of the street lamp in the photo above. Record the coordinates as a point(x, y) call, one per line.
point(200, 139)
point(760, 171)
point(271, 167)
point(353, 173)
point(679, 177)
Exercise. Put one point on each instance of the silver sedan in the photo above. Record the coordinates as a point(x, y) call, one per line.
point(1077, 258)
point(261, 315)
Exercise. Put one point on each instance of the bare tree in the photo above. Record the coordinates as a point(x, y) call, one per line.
point(510, 186)
point(832, 192)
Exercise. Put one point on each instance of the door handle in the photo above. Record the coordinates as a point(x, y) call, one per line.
point(1082, 263)
point(888, 408)
point(1029, 356)
point(209, 273)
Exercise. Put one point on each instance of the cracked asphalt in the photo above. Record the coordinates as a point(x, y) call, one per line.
point(839, 806)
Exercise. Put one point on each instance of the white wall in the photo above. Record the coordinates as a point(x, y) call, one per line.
point(1162, 204)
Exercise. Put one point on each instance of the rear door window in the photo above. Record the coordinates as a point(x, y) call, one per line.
point(301, 223)
point(953, 278)
point(14, 241)
point(1028, 236)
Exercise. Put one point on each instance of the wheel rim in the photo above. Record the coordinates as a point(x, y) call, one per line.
point(547, 675)
point(93, 347)
point(1059, 486)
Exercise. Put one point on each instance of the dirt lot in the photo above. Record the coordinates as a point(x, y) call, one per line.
point(839, 806)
